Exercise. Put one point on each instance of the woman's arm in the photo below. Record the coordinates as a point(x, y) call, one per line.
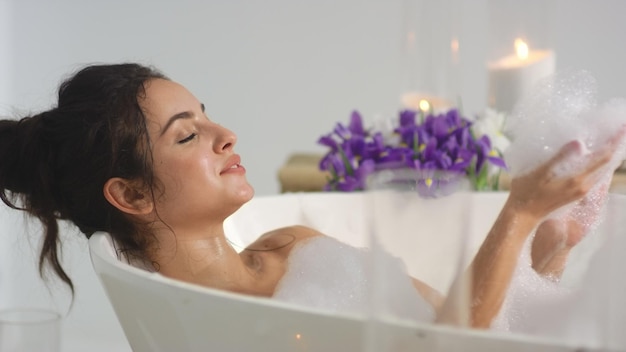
point(548, 251)
point(555, 237)
point(532, 197)
point(432, 296)
point(483, 286)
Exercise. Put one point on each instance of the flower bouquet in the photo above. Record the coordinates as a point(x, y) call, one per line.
point(443, 149)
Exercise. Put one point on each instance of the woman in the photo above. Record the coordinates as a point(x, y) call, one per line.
point(129, 152)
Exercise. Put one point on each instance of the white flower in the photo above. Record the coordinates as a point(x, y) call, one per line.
point(491, 123)
point(386, 126)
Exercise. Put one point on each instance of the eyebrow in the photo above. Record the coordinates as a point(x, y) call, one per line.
point(180, 115)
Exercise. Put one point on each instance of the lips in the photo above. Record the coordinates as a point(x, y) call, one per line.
point(233, 165)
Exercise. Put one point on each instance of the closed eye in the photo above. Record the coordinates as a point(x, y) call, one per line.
point(187, 139)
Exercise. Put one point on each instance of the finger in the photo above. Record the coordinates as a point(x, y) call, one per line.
point(547, 171)
point(595, 196)
point(616, 142)
point(617, 139)
point(603, 156)
point(574, 147)
point(597, 161)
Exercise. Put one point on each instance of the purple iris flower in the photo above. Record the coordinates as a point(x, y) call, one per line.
point(351, 156)
point(334, 163)
point(365, 169)
point(354, 181)
point(486, 153)
point(407, 118)
point(395, 158)
point(441, 148)
point(375, 148)
point(356, 123)
point(355, 128)
point(432, 182)
point(462, 160)
point(439, 126)
point(328, 141)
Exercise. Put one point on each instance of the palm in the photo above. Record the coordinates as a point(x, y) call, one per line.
point(558, 235)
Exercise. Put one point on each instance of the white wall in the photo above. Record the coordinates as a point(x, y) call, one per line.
point(6, 59)
point(278, 72)
point(589, 35)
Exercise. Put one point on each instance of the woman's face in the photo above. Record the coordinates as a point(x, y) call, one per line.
point(194, 160)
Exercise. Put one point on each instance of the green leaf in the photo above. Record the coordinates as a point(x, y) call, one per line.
point(482, 181)
point(346, 161)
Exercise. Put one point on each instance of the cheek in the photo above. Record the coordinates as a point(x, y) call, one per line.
point(182, 163)
point(191, 172)
point(171, 174)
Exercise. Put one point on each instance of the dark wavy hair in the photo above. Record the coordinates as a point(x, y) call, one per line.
point(53, 165)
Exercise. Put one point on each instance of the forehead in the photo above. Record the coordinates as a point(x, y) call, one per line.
point(164, 98)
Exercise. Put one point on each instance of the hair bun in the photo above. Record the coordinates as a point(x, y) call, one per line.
point(23, 154)
point(9, 156)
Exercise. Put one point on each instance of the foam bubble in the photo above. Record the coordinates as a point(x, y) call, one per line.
point(561, 108)
point(325, 273)
point(528, 292)
point(588, 309)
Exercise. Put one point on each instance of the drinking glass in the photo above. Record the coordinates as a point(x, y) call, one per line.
point(427, 234)
point(29, 329)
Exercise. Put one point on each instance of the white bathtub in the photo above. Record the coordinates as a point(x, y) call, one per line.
point(157, 313)
point(92, 325)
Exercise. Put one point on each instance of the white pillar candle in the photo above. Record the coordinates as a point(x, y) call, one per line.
point(512, 76)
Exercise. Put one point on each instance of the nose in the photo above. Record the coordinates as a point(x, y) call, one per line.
point(225, 140)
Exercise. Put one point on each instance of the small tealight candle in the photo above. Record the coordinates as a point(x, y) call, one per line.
point(513, 76)
point(424, 102)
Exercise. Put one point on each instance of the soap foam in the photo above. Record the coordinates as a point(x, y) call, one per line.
point(592, 312)
point(561, 108)
point(328, 274)
point(587, 310)
point(528, 293)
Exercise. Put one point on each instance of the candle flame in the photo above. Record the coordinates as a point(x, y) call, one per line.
point(410, 40)
point(424, 105)
point(521, 49)
point(454, 45)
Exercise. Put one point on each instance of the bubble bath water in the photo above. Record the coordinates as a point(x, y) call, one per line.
point(327, 274)
point(588, 306)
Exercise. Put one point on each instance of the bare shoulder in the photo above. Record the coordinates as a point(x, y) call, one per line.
point(295, 230)
point(283, 237)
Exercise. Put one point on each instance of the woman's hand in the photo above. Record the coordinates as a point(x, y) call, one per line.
point(555, 237)
point(532, 198)
point(543, 190)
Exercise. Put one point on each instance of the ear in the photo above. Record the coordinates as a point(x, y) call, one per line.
point(127, 197)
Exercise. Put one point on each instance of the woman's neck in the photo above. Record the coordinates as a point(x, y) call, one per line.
point(204, 258)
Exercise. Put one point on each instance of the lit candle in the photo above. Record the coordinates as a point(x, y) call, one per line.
point(512, 76)
point(424, 102)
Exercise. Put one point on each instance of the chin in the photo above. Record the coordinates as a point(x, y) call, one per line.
point(246, 193)
point(242, 197)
